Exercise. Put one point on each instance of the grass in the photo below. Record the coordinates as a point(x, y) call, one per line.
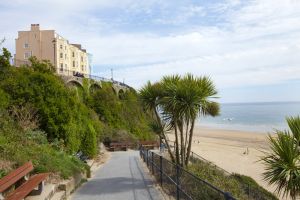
point(239, 186)
point(19, 147)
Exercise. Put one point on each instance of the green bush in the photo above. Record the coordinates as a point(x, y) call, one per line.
point(251, 188)
point(62, 114)
point(32, 146)
point(121, 115)
point(239, 186)
point(68, 117)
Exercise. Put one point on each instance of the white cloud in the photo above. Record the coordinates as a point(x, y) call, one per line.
point(251, 42)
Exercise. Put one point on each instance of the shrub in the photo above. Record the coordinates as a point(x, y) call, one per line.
point(239, 186)
point(32, 146)
point(251, 188)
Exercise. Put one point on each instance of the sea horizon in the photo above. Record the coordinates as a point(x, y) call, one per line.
point(262, 117)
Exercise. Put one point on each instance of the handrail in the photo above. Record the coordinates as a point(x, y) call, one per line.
point(94, 77)
point(205, 160)
point(179, 170)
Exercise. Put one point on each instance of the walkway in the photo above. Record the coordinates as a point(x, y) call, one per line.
point(121, 178)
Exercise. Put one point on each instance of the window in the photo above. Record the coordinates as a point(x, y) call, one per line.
point(73, 54)
point(61, 55)
point(61, 46)
point(61, 67)
point(65, 56)
point(81, 59)
point(66, 66)
point(65, 47)
point(27, 55)
point(73, 63)
point(26, 45)
point(82, 68)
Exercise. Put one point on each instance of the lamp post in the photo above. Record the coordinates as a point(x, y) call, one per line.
point(112, 74)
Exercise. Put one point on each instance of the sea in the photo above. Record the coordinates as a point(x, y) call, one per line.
point(263, 117)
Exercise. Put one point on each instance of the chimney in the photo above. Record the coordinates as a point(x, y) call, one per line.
point(35, 27)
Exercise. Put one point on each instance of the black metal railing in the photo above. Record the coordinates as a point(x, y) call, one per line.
point(194, 158)
point(178, 182)
point(252, 191)
point(90, 76)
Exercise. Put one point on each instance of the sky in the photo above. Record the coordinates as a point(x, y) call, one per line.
point(249, 48)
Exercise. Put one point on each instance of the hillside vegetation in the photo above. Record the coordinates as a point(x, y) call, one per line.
point(49, 122)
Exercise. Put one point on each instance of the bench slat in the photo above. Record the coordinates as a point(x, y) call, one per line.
point(22, 191)
point(14, 176)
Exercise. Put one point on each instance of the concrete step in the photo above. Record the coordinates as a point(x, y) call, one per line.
point(59, 195)
point(47, 193)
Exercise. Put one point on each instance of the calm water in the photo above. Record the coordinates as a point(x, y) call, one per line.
point(260, 117)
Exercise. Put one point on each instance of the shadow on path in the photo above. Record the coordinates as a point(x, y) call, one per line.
point(122, 177)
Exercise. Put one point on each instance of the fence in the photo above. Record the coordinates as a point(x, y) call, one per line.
point(252, 190)
point(67, 72)
point(178, 182)
point(194, 158)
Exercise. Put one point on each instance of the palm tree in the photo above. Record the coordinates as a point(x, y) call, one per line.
point(149, 96)
point(282, 164)
point(180, 101)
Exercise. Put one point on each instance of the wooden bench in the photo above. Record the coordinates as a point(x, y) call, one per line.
point(24, 184)
point(149, 144)
point(123, 146)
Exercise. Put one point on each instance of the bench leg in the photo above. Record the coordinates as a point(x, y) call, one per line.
point(1, 196)
point(39, 189)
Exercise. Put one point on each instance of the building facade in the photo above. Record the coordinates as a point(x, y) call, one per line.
point(68, 59)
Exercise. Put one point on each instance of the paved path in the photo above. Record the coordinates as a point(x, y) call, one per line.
point(121, 178)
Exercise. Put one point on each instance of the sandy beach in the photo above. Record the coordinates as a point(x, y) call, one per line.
point(228, 150)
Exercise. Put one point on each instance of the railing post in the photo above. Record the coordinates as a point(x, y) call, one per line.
point(152, 161)
point(161, 170)
point(177, 183)
point(147, 152)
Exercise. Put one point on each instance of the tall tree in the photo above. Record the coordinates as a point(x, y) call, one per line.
point(150, 95)
point(177, 102)
point(282, 164)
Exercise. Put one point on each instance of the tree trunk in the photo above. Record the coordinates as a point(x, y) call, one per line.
point(181, 143)
point(177, 146)
point(190, 143)
point(164, 136)
point(186, 138)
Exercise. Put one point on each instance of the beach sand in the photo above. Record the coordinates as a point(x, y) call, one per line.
point(228, 150)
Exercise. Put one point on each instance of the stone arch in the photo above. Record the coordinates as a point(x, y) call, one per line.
point(115, 89)
point(121, 94)
point(74, 83)
point(95, 86)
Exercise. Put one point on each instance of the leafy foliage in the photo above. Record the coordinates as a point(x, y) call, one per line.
point(121, 115)
point(33, 145)
point(239, 186)
point(282, 164)
point(62, 115)
point(175, 103)
point(49, 121)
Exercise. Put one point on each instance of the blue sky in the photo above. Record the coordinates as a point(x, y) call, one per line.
point(250, 48)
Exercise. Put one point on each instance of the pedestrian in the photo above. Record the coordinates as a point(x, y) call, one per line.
point(162, 147)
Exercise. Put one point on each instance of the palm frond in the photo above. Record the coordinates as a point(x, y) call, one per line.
point(282, 167)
